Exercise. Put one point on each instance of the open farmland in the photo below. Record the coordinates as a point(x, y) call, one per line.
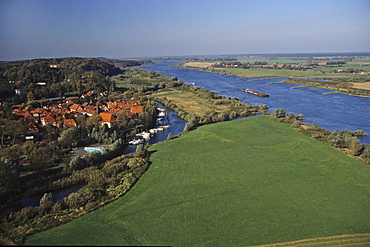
point(320, 71)
point(245, 182)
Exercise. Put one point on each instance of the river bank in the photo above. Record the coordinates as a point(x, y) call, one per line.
point(330, 111)
point(359, 89)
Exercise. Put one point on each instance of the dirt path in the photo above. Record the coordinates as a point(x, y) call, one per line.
point(339, 240)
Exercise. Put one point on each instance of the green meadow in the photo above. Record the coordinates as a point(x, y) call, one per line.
point(245, 182)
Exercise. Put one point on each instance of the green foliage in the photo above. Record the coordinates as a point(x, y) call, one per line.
point(279, 113)
point(366, 151)
point(340, 139)
point(73, 75)
point(9, 171)
point(239, 183)
point(355, 146)
point(95, 159)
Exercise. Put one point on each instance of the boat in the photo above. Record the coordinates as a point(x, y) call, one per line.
point(145, 135)
point(136, 142)
point(256, 93)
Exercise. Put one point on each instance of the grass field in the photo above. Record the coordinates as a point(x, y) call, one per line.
point(320, 73)
point(312, 73)
point(245, 182)
point(190, 102)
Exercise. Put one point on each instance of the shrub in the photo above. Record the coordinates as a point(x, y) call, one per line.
point(58, 206)
point(47, 198)
point(366, 151)
point(279, 113)
point(74, 200)
point(355, 146)
point(340, 139)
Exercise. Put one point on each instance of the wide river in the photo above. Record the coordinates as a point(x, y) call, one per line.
point(330, 111)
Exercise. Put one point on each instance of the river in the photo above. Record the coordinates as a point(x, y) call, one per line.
point(330, 111)
point(176, 127)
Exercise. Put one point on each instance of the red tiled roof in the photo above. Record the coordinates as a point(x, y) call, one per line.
point(69, 122)
point(108, 117)
point(136, 109)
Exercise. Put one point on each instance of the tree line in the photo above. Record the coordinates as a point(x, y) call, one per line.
point(29, 80)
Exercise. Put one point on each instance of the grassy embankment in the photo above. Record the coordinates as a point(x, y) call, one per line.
point(238, 183)
point(191, 102)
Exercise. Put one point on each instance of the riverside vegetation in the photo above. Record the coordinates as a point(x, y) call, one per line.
point(108, 180)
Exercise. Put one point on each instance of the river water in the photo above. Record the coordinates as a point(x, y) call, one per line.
point(330, 111)
point(176, 127)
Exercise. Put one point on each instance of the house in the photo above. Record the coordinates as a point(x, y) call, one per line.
point(136, 109)
point(108, 119)
point(48, 119)
point(75, 107)
point(90, 110)
point(363, 73)
point(89, 94)
point(69, 123)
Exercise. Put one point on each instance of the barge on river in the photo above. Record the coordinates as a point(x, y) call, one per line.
point(256, 93)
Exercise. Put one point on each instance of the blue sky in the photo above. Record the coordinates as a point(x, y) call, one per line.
point(142, 28)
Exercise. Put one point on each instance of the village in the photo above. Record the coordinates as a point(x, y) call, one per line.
point(63, 115)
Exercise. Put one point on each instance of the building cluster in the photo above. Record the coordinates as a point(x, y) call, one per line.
point(63, 115)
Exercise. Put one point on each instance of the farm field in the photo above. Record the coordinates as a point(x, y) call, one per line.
point(246, 182)
point(328, 72)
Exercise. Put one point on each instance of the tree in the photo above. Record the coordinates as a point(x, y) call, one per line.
point(17, 129)
point(51, 133)
point(28, 147)
point(340, 139)
point(81, 121)
point(355, 146)
point(366, 151)
point(279, 113)
point(40, 158)
point(69, 137)
point(122, 119)
point(95, 120)
point(47, 198)
point(9, 171)
point(140, 149)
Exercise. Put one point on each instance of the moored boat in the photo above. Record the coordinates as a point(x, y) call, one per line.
point(256, 93)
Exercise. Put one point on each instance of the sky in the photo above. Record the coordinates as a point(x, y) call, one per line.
point(146, 28)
